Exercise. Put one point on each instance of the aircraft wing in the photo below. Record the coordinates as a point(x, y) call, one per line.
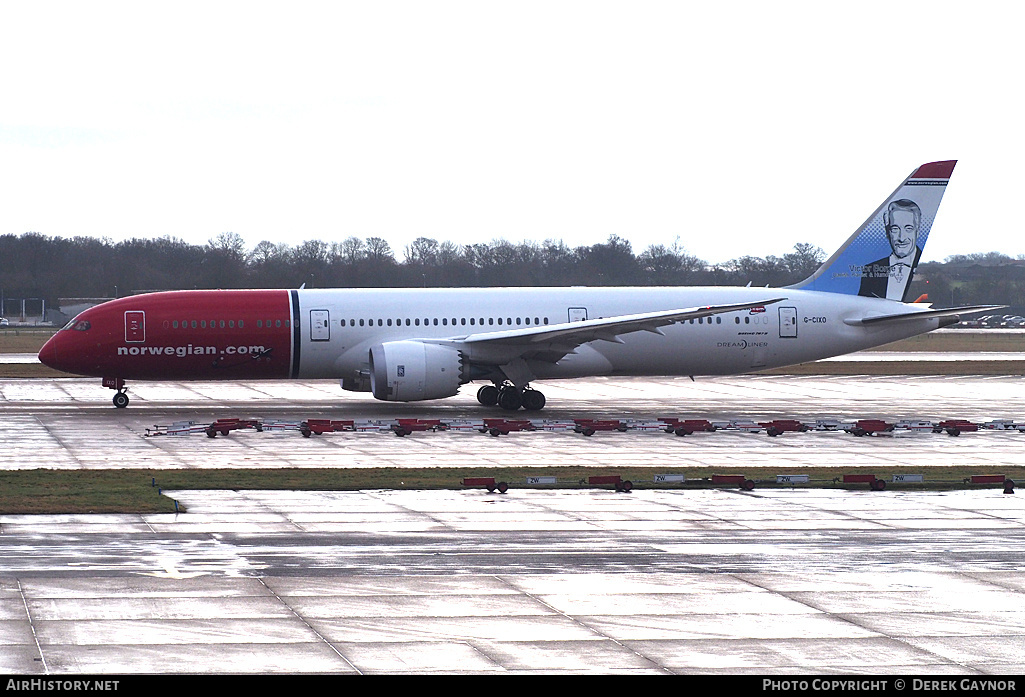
point(569, 335)
point(904, 316)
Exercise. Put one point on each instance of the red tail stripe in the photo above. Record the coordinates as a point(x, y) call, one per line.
point(935, 170)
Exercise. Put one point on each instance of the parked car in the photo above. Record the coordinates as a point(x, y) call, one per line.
point(4, 322)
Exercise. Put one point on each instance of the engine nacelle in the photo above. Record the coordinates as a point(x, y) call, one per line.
point(408, 371)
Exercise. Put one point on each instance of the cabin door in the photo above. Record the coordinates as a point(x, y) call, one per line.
point(320, 325)
point(135, 327)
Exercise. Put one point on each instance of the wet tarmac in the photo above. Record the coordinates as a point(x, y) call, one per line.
point(71, 423)
point(722, 582)
point(657, 581)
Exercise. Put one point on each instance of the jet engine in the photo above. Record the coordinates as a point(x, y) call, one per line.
point(408, 371)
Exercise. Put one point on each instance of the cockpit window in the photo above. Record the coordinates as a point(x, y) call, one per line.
point(77, 325)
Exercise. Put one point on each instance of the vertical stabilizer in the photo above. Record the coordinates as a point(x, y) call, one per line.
point(880, 259)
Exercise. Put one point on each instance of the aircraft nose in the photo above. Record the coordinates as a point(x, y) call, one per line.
point(48, 354)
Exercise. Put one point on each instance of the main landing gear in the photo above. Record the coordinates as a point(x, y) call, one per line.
point(121, 397)
point(510, 397)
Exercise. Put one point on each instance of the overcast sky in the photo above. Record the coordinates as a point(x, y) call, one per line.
point(736, 127)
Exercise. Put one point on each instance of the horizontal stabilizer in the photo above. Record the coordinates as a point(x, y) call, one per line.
point(926, 314)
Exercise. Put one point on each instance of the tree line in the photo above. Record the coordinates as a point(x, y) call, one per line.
point(41, 266)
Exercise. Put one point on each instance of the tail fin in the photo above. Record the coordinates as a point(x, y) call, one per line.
point(881, 257)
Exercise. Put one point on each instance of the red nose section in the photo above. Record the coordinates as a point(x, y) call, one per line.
point(48, 354)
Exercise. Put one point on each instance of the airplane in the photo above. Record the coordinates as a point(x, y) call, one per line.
point(408, 345)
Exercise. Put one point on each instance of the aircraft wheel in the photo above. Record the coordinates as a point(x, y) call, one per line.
point(533, 400)
point(488, 395)
point(509, 399)
point(121, 400)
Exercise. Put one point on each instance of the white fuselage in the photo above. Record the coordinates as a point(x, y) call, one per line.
point(341, 325)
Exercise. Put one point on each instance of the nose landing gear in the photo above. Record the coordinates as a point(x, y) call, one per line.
point(121, 397)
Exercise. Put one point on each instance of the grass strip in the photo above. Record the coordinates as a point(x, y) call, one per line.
point(44, 491)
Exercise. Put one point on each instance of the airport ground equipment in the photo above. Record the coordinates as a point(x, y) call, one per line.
point(585, 426)
point(686, 427)
point(914, 425)
point(738, 479)
point(321, 426)
point(589, 427)
point(868, 427)
point(226, 426)
point(955, 427)
point(831, 425)
point(503, 427)
point(1004, 425)
point(488, 483)
point(780, 426)
point(620, 484)
point(405, 427)
point(874, 482)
